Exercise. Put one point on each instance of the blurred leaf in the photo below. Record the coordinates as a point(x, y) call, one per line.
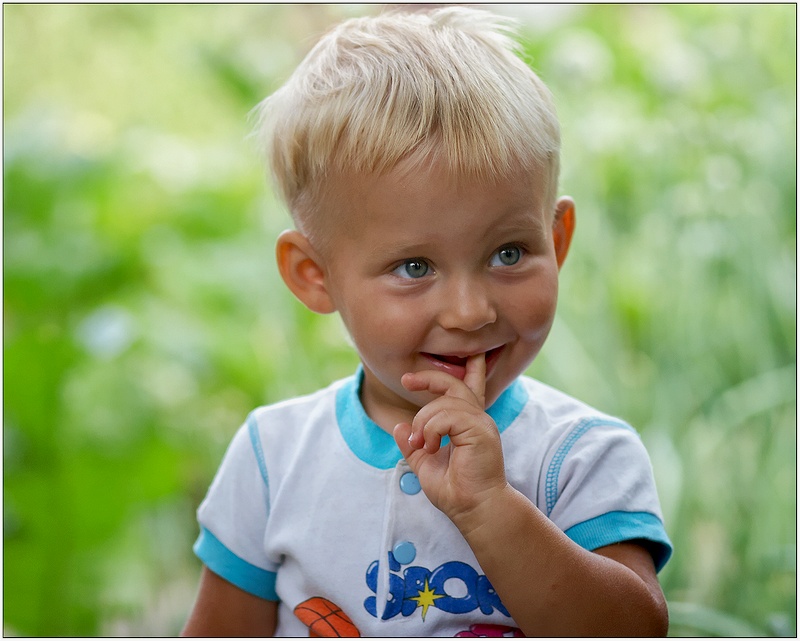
point(691, 619)
point(144, 316)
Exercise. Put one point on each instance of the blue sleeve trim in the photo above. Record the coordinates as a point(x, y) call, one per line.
point(616, 527)
point(221, 561)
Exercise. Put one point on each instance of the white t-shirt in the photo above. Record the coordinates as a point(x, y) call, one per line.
point(314, 506)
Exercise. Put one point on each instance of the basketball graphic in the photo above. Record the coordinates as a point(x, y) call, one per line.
point(325, 619)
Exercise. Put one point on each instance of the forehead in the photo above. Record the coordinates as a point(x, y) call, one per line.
point(426, 198)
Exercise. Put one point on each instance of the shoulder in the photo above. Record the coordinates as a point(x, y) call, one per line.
point(294, 429)
point(559, 442)
point(275, 433)
point(555, 421)
point(271, 431)
point(299, 407)
point(559, 408)
point(595, 479)
point(565, 423)
point(301, 413)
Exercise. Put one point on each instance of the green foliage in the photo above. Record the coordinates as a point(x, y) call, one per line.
point(144, 318)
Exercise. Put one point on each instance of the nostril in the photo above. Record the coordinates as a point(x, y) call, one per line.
point(468, 313)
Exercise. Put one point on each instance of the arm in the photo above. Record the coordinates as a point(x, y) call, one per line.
point(549, 584)
point(223, 610)
point(552, 586)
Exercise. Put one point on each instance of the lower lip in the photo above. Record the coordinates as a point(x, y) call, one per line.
point(460, 371)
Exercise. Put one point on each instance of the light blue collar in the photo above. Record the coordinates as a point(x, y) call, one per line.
point(376, 447)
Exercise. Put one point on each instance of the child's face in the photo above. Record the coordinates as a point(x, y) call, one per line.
point(426, 270)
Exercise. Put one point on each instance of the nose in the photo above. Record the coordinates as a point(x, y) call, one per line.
point(466, 304)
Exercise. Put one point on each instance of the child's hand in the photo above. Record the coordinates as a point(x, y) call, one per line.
point(458, 477)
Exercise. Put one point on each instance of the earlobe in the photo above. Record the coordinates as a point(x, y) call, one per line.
point(302, 271)
point(563, 226)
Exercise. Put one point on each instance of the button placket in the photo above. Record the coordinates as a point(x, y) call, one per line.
point(396, 549)
point(403, 550)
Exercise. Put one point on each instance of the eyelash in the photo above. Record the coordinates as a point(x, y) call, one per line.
point(420, 264)
point(520, 253)
point(412, 261)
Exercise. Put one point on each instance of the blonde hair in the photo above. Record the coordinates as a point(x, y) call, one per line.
point(447, 83)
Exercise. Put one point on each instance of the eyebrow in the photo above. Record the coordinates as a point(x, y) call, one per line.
point(516, 223)
point(399, 250)
point(520, 221)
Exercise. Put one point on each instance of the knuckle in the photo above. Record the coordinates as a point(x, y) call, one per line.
point(440, 422)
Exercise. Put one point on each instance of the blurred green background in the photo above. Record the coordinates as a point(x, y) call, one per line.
point(144, 317)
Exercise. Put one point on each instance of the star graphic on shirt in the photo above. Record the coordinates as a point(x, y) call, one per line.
point(425, 598)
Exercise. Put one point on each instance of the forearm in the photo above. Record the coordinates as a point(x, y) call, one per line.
point(549, 584)
point(223, 610)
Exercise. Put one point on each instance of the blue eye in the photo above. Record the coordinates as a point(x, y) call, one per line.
point(509, 255)
point(414, 268)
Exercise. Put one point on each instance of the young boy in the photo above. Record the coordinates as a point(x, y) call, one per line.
point(438, 492)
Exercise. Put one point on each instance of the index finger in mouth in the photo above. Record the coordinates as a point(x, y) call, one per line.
point(475, 378)
point(472, 386)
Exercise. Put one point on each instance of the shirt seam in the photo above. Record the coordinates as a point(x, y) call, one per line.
point(554, 469)
point(255, 441)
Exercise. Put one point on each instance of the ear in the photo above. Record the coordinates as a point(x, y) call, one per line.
point(302, 270)
point(563, 226)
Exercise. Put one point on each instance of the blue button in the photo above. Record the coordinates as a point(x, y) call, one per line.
point(409, 483)
point(404, 552)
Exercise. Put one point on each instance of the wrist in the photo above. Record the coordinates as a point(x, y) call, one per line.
point(487, 510)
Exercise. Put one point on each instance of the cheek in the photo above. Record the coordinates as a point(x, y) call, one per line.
point(534, 309)
point(379, 324)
